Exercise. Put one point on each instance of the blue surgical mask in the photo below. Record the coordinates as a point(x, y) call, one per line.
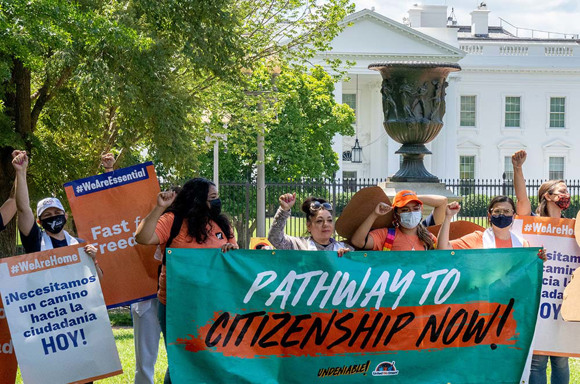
point(501, 221)
point(410, 220)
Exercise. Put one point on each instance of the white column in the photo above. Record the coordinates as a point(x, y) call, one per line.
point(377, 151)
point(337, 139)
point(445, 158)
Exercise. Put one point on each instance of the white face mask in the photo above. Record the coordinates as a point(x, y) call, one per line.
point(410, 220)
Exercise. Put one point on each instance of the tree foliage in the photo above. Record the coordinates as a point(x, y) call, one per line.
point(299, 118)
point(136, 77)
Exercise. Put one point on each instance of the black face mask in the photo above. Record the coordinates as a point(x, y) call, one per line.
point(501, 221)
point(53, 224)
point(215, 206)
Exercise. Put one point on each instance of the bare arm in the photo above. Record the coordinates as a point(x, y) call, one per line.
point(25, 215)
point(523, 207)
point(145, 233)
point(451, 210)
point(91, 250)
point(439, 203)
point(360, 235)
point(8, 210)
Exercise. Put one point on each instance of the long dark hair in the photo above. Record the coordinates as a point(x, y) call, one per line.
point(191, 204)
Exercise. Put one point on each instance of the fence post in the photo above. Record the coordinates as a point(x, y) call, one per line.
point(503, 185)
point(334, 191)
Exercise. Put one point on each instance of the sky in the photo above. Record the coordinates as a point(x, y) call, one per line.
point(549, 15)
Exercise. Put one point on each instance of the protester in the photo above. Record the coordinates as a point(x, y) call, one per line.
point(147, 332)
point(146, 328)
point(50, 213)
point(553, 198)
point(408, 233)
point(500, 214)
point(191, 218)
point(319, 223)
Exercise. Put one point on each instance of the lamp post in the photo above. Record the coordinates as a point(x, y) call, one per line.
point(261, 159)
point(215, 137)
point(261, 181)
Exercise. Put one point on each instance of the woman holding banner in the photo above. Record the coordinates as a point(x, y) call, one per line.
point(553, 198)
point(409, 233)
point(500, 214)
point(191, 218)
point(319, 223)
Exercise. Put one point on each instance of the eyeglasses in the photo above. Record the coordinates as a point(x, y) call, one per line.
point(317, 206)
point(499, 211)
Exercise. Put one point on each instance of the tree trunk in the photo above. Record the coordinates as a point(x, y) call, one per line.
point(18, 109)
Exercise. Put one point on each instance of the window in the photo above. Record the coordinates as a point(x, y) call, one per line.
point(467, 111)
point(508, 168)
point(346, 156)
point(556, 168)
point(467, 167)
point(350, 100)
point(557, 112)
point(512, 111)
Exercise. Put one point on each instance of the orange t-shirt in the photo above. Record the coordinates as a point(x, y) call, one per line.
point(402, 242)
point(215, 239)
point(475, 241)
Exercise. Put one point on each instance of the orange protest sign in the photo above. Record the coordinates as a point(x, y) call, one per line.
point(8, 364)
point(107, 209)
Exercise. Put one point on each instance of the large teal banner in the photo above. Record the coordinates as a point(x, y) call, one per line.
point(312, 317)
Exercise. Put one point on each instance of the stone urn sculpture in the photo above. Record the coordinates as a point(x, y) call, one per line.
point(413, 95)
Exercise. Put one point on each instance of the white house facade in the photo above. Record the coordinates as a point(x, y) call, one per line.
point(512, 93)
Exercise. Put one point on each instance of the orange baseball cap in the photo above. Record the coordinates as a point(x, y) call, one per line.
point(403, 198)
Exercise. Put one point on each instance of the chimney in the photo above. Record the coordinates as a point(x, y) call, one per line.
point(415, 16)
point(428, 16)
point(479, 21)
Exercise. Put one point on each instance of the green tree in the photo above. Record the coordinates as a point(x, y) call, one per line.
point(136, 77)
point(298, 139)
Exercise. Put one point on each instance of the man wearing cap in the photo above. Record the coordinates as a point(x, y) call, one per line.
point(50, 213)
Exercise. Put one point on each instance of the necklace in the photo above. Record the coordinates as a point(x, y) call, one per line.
point(406, 238)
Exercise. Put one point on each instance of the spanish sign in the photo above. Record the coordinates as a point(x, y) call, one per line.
point(57, 317)
point(304, 316)
point(107, 209)
point(8, 366)
point(555, 337)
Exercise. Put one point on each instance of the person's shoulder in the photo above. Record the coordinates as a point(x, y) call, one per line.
point(471, 240)
point(381, 231)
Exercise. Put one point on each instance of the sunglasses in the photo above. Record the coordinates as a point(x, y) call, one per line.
point(317, 206)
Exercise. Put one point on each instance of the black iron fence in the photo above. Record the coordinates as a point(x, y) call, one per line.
point(239, 199)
